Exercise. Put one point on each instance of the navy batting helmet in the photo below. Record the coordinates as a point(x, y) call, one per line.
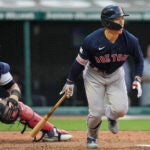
point(109, 13)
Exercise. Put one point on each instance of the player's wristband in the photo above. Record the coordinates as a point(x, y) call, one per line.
point(138, 78)
point(16, 93)
point(69, 82)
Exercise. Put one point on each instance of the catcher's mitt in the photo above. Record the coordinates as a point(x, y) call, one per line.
point(9, 112)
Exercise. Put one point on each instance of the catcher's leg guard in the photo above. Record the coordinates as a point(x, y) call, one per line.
point(49, 132)
point(32, 118)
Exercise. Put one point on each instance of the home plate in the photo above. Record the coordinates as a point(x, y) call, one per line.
point(143, 145)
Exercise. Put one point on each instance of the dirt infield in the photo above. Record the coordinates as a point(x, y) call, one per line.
point(124, 140)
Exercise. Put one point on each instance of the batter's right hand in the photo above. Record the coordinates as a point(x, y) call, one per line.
point(137, 85)
point(68, 88)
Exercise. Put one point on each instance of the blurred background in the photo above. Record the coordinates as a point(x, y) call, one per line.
point(41, 38)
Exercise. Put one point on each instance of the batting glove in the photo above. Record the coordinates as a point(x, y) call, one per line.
point(137, 85)
point(68, 88)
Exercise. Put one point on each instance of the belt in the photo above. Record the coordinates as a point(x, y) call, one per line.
point(98, 70)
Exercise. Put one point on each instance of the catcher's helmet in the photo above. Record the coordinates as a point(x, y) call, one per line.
point(109, 13)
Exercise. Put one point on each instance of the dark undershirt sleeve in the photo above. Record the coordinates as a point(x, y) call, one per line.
point(75, 71)
point(8, 85)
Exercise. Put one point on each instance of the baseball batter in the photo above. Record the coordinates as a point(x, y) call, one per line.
point(101, 56)
point(12, 109)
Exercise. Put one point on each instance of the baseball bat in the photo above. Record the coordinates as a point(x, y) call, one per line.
point(41, 123)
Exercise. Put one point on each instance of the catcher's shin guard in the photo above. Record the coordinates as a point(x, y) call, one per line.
point(27, 115)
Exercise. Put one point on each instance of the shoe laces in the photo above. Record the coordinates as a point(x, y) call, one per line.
point(91, 140)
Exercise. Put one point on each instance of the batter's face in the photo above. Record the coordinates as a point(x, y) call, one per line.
point(119, 20)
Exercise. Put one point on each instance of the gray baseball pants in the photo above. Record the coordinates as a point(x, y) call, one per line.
point(106, 95)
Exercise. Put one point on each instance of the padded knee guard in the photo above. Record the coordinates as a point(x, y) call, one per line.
point(27, 115)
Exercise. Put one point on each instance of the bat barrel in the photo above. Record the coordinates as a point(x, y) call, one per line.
point(41, 123)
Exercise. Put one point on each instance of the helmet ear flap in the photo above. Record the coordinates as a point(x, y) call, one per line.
point(106, 23)
point(111, 25)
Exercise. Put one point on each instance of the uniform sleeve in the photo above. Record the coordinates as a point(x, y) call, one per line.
point(5, 79)
point(82, 57)
point(138, 58)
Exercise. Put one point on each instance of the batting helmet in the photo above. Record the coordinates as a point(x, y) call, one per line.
point(109, 13)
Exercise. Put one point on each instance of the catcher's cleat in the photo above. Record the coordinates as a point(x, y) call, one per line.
point(113, 126)
point(91, 143)
point(56, 135)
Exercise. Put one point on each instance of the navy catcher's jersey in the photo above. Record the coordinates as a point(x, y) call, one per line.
point(107, 56)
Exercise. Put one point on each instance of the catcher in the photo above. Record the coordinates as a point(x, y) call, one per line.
point(12, 109)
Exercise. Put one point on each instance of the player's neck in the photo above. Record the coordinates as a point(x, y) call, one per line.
point(111, 35)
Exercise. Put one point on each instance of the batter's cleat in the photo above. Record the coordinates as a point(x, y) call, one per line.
point(113, 126)
point(91, 143)
point(56, 135)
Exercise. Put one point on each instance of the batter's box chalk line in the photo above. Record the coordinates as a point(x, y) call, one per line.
point(143, 145)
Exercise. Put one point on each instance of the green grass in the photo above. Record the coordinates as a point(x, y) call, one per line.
point(80, 125)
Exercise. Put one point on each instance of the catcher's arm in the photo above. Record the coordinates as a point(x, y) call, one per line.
point(14, 92)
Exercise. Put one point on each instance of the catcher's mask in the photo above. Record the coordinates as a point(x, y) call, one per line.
point(8, 114)
point(109, 13)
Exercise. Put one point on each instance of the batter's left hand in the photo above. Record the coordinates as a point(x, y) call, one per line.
point(68, 88)
point(137, 85)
